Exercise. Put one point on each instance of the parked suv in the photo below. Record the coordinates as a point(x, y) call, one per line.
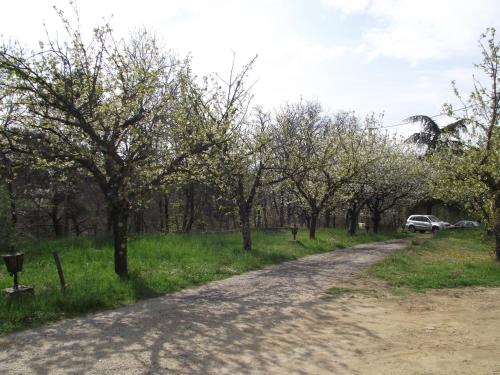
point(424, 223)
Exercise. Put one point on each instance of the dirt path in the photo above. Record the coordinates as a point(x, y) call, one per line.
point(276, 320)
point(440, 332)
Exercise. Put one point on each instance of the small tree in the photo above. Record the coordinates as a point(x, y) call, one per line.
point(319, 154)
point(238, 167)
point(472, 178)
point(396, 177)
point(354, 199)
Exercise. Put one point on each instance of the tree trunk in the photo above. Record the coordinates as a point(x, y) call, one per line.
point(54, 216)
point(245, 207)
point(352, 222)
point(119, 215)
point(496, 232)
point(166, 213)
point(376, 220)
point(289, 215)
point(497, 244)
point(496, 227)
point(12, 200)
point(56, 225)
point(282, 210)
point(264, 212)
point(312, 224)
point(162, 219)
point(66, 220)
point(96, 218)
point(305, 218)
point(188, 220)
point(139, 221)
point(352, 225)
point(109, 221)
point(327, 218)
point(245, 228)
point(76, 224)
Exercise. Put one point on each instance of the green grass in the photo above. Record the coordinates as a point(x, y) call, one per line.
point(158, 264)
point(455, 258)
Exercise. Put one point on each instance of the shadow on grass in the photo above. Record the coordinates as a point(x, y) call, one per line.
point(140, 287)
point(102, 242)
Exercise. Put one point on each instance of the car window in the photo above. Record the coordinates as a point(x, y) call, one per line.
point(434, 218)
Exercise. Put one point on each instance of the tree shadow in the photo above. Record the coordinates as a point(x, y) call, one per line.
point(252, 323)
point(141, 288)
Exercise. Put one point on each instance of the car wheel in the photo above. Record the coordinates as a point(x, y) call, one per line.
point(411, 228)
point(435, 229)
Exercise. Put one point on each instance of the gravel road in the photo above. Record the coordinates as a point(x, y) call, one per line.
point(261, 322)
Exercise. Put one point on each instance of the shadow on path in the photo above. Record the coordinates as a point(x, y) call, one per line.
point(251, 323)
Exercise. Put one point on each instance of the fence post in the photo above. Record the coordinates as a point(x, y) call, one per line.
point(59, 270)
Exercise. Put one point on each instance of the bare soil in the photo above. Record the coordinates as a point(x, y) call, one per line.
point(448, 331)
point(274, 321)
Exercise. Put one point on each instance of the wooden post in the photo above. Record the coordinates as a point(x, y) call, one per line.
point(59, 270)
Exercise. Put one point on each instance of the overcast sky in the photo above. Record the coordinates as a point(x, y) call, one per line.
point(392, 56)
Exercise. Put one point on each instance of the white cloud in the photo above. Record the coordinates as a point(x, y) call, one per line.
point(348, 6)
point(421, 30)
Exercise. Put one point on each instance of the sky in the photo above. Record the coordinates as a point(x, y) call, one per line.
point(396, 57)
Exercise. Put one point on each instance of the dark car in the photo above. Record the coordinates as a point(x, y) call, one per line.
point(466, 224)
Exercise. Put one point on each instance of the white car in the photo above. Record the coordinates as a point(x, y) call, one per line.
point(423, 223)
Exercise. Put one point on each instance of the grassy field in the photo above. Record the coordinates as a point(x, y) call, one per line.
point(158, 264)
point(454, 258)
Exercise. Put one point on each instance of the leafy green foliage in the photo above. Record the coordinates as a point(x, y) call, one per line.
point(434, 137)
